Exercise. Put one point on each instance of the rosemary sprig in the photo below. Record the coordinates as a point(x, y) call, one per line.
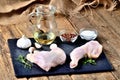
point(89, 60)
point(24, 61)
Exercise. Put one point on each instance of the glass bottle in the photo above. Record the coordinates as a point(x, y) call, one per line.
point(45, 27)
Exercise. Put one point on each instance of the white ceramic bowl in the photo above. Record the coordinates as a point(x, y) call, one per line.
point(88, 33)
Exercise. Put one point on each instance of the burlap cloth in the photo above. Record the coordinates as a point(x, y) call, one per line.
point(16, 11)
point(75, 6)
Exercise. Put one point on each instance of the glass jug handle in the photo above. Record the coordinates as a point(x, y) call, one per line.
point(30, 16)
point(34, 18)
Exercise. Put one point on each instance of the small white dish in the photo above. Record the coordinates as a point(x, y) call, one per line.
point(88, 33)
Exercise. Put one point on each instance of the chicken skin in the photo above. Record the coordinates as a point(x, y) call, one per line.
point(92, 49)
point(48, 59)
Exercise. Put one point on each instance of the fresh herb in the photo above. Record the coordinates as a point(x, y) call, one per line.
point(89, 60)
point(24, 61)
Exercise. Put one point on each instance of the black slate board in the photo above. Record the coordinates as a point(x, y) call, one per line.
point(102, 62)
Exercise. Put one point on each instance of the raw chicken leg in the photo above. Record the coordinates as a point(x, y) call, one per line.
point(76, 55)
point(48, 59)
point(92, 49)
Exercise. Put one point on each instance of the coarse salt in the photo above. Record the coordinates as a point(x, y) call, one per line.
point(88, 34)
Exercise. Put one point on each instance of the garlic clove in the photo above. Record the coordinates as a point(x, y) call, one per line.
point(31, 49)
point(24, 42)
point(37, 45)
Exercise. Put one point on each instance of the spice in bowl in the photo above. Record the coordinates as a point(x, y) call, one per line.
point(68, 37)
point(88, 33)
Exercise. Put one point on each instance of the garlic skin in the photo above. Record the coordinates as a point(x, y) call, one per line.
point(24, 42)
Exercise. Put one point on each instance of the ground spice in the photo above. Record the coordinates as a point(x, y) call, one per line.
point(68, 37)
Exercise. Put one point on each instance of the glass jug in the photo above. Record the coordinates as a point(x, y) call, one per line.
point(44, 24)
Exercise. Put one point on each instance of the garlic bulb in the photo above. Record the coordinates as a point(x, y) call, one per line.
point(24, 42)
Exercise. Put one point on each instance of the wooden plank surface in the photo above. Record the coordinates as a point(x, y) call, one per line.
point(107, 25)
point(108, 28)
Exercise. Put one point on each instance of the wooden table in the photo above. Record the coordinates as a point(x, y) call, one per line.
point(107, 25)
